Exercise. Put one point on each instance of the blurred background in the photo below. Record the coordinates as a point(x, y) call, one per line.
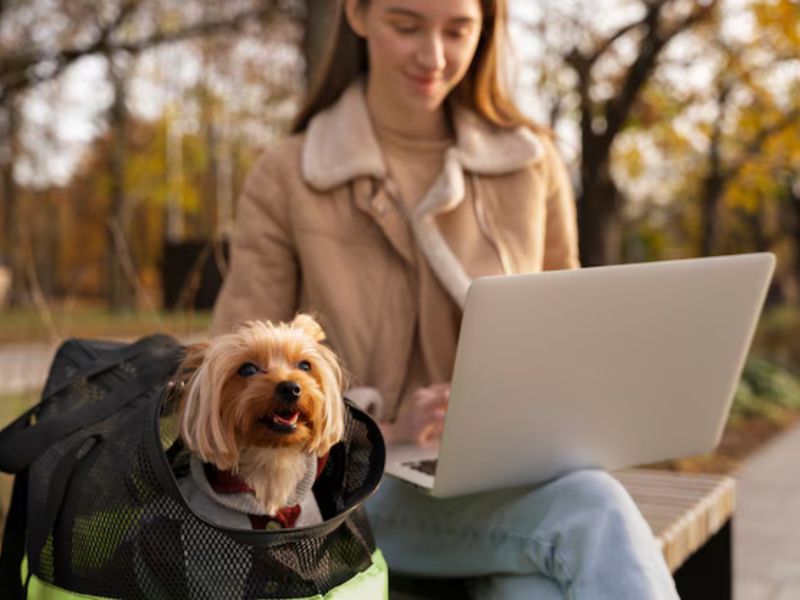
point(127, 126)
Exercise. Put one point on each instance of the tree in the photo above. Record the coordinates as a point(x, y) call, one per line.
point(87, 27)
point(119, 30)
point(612, 66)
point(722, 145)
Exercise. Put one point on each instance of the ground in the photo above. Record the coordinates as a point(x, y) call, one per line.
point(743, 436)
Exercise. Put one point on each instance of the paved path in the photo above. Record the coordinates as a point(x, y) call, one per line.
point(767, 523)
point(24, 367)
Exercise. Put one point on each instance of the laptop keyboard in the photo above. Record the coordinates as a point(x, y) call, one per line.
point(424, 466)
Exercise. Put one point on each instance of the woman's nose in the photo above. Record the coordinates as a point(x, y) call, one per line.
point(431, 55)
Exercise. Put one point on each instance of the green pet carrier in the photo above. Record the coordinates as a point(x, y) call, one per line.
point(96, 511)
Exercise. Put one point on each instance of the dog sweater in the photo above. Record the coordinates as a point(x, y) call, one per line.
point(225, 499)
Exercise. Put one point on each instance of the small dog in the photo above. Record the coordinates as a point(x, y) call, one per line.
point(260, 412)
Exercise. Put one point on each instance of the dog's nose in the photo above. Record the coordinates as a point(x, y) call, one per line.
point(288, 390)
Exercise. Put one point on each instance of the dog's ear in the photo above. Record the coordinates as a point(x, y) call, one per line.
point(192, 359)
point(309, 325)
point(330, 376)
point(199, 412)
point(195, 354)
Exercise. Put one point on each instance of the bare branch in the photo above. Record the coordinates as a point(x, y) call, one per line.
point(16, 71)
point(197, 30)
point(715, 147)
point(618, 109)
point(611, 40)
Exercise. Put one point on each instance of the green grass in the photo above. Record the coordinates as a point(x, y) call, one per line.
point(13, 405)
point(27, 325)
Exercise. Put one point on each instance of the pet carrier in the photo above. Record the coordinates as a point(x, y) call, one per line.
point(96, 511)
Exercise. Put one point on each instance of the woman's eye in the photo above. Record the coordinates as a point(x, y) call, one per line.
point(304, 365)
point(405, 29)
point(248, 370)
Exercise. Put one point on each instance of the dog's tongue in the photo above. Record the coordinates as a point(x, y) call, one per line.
point(286, 418)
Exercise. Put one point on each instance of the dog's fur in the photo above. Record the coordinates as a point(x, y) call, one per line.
point(231, 415)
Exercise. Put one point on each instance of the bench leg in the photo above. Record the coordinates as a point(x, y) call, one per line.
point(708, 573)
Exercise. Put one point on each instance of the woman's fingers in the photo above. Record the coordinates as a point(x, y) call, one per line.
point(431, 426)
point(436, 394)
point(430, 434)
point(441, 388)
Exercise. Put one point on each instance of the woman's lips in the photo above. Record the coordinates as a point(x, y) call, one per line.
point(425, 84)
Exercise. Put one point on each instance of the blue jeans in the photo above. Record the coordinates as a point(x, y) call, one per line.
point(580, 537)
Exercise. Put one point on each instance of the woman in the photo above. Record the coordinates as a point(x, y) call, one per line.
point(409, 174)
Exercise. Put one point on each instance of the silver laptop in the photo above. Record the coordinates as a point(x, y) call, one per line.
point(605, 367)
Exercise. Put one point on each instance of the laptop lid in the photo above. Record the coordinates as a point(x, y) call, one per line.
point(604, 367)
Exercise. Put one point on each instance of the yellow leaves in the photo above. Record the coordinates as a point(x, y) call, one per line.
point(747, 191)
point(631, 160)
point(779, 20)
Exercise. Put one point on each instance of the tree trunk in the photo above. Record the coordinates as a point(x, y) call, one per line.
point(792, 224)
point(211, 187)
point(118, 293)
point(12, 218)
point(175, 224)
point(713, 187)
point(599, 221)
point(600, 226)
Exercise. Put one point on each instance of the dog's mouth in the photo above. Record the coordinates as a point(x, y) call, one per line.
point(284, 421)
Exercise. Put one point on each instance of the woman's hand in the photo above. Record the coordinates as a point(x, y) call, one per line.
point(421, 421)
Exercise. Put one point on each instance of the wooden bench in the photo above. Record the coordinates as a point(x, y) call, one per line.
point(691, 517)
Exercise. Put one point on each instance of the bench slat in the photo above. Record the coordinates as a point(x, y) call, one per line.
point(684, 510)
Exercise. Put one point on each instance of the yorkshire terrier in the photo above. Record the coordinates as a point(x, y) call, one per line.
point(261, 410)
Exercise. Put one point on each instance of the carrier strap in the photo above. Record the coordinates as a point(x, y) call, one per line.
point(109, 359)
point(14, 540)
point(14, 543)
point(22, 442)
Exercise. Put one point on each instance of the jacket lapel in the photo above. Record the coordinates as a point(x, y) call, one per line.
point(447, 192)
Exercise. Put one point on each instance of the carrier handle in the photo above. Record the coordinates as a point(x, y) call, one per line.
point(21, 443)
point(111, 358)
point(97, 366)
point(14, 540)
point(18, 433)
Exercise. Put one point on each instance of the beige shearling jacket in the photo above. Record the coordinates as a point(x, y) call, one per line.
point(319, 229)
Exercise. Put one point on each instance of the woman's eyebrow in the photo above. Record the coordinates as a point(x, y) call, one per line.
point(405, 12)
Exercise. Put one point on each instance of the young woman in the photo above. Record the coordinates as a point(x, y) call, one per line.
point(410, 173)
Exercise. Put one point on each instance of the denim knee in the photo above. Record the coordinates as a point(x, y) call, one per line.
point(593, 510)
point(600, 534)
point(593, 488)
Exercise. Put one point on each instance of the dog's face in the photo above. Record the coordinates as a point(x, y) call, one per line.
point(265, 386)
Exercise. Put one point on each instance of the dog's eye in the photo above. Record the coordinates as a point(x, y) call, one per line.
point(304, 365)
point(248, 370)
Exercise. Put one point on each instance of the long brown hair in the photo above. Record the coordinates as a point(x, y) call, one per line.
point(483, 89)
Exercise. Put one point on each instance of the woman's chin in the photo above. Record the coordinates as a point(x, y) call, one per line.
point(425, 102)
